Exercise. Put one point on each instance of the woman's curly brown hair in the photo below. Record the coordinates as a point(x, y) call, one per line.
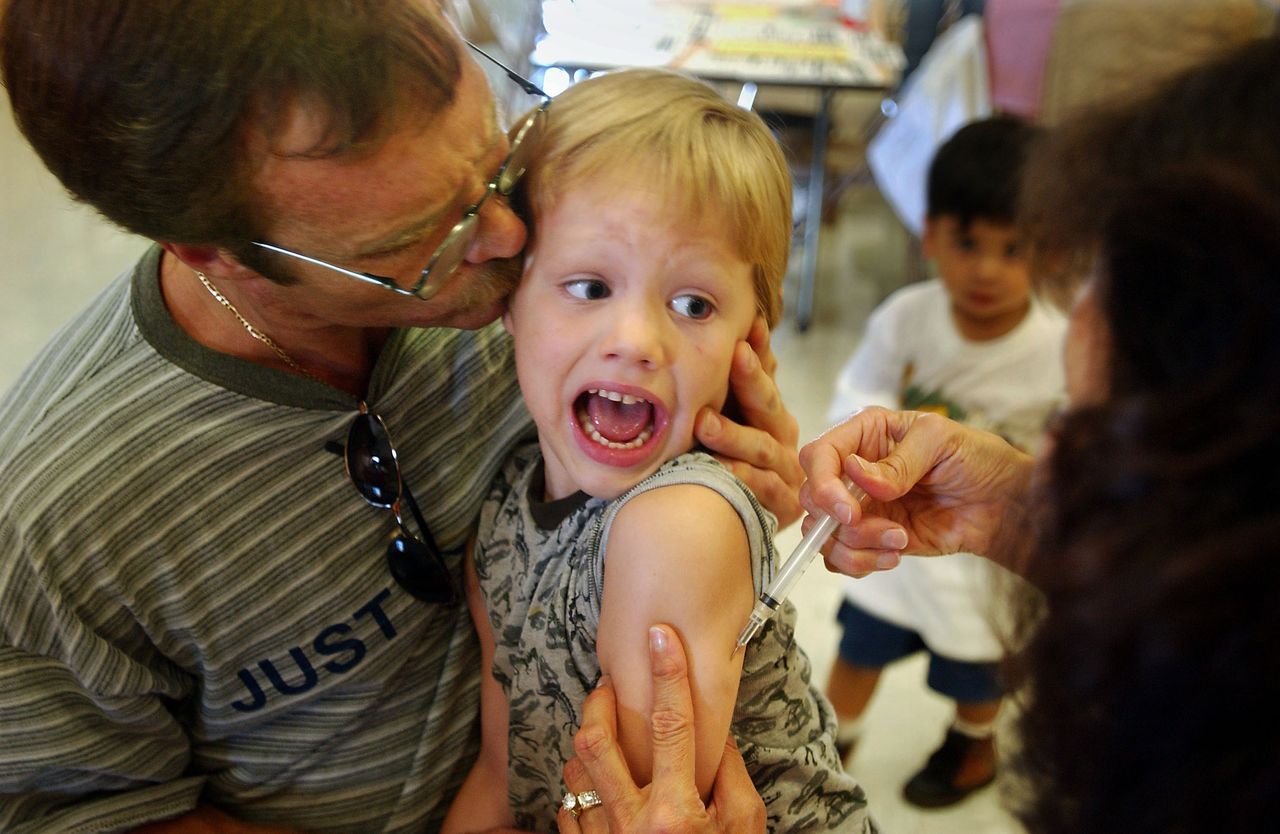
point(1150, 655)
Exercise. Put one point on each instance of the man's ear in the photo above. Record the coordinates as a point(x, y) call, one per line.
point(211, 260)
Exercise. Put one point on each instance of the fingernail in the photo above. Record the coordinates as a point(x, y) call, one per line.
point(887, 560)
point(657, 641)
point(710, 424)
point(894, 539)
point(844, 513)
point(603, 681)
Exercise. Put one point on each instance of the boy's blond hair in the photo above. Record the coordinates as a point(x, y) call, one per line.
point(708, 158)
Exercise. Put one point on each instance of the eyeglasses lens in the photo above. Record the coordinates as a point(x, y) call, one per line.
point(525, 143)
point(454, 249)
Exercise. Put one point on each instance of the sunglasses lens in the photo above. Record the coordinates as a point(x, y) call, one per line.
point(371, 461)
point(418, 570)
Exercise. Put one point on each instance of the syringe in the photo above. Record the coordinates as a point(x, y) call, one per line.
point(776, 593)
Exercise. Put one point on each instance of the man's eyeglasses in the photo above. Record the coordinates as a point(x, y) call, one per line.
point(453, 249)
point(416, 564)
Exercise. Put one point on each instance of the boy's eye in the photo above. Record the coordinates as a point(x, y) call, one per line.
point(692, 306)
point(588, 289)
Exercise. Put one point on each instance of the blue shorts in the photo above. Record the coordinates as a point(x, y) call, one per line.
point(871, 642)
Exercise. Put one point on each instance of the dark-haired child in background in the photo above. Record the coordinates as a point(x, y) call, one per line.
point(977, 346)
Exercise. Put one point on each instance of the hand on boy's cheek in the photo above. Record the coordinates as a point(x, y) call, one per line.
point(760, 343)
point(756, 437)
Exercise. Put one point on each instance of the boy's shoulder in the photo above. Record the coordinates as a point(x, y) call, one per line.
point(1045, 321)
point(694, 467)
point(915, 302)
point(916, 294)
point(699, 483)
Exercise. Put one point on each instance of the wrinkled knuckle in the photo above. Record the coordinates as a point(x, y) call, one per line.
point(780, 488)
point(670, 727)
point(933, 423)
point(795, 472)
point(591, 743)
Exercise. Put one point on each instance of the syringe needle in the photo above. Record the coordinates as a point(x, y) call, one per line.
point(810, 546)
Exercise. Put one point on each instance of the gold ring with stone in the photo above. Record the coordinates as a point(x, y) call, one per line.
point(576, 803)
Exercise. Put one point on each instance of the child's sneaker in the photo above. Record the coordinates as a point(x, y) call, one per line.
point(959, 767)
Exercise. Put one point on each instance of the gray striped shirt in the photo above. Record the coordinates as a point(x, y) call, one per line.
point(194, 601)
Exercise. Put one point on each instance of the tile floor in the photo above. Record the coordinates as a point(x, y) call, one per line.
point(59, 254)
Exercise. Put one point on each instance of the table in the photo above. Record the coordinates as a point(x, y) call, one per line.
point(791, 43)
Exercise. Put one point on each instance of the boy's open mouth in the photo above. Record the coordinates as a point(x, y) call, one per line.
point(614, 420)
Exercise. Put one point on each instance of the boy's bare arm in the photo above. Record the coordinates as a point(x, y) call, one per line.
point(481, 803)
point(677, 555)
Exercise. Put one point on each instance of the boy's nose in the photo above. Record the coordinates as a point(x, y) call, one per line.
point(989, 266)
point(637, 333)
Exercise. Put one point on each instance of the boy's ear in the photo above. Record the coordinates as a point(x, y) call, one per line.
point(928, 239)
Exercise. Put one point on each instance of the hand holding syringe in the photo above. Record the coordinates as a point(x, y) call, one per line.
point(810, 546)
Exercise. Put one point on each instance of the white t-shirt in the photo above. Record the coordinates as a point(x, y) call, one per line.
point(912, 356)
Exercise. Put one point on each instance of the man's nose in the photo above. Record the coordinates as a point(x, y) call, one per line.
point(500, 233)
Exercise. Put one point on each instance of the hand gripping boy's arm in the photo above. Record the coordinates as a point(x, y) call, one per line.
point(676, 555)
point(670, 804)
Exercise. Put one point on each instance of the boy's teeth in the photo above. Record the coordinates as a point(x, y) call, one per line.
point(590, 431)
point(625, 399)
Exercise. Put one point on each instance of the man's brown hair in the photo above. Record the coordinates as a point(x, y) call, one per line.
point(142, 108)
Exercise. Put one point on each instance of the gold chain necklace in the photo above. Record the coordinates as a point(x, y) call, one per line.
point(253, 331)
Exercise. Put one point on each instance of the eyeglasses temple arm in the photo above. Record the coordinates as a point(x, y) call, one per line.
point(366, 277)
point(427, 538)
point(525, 84)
